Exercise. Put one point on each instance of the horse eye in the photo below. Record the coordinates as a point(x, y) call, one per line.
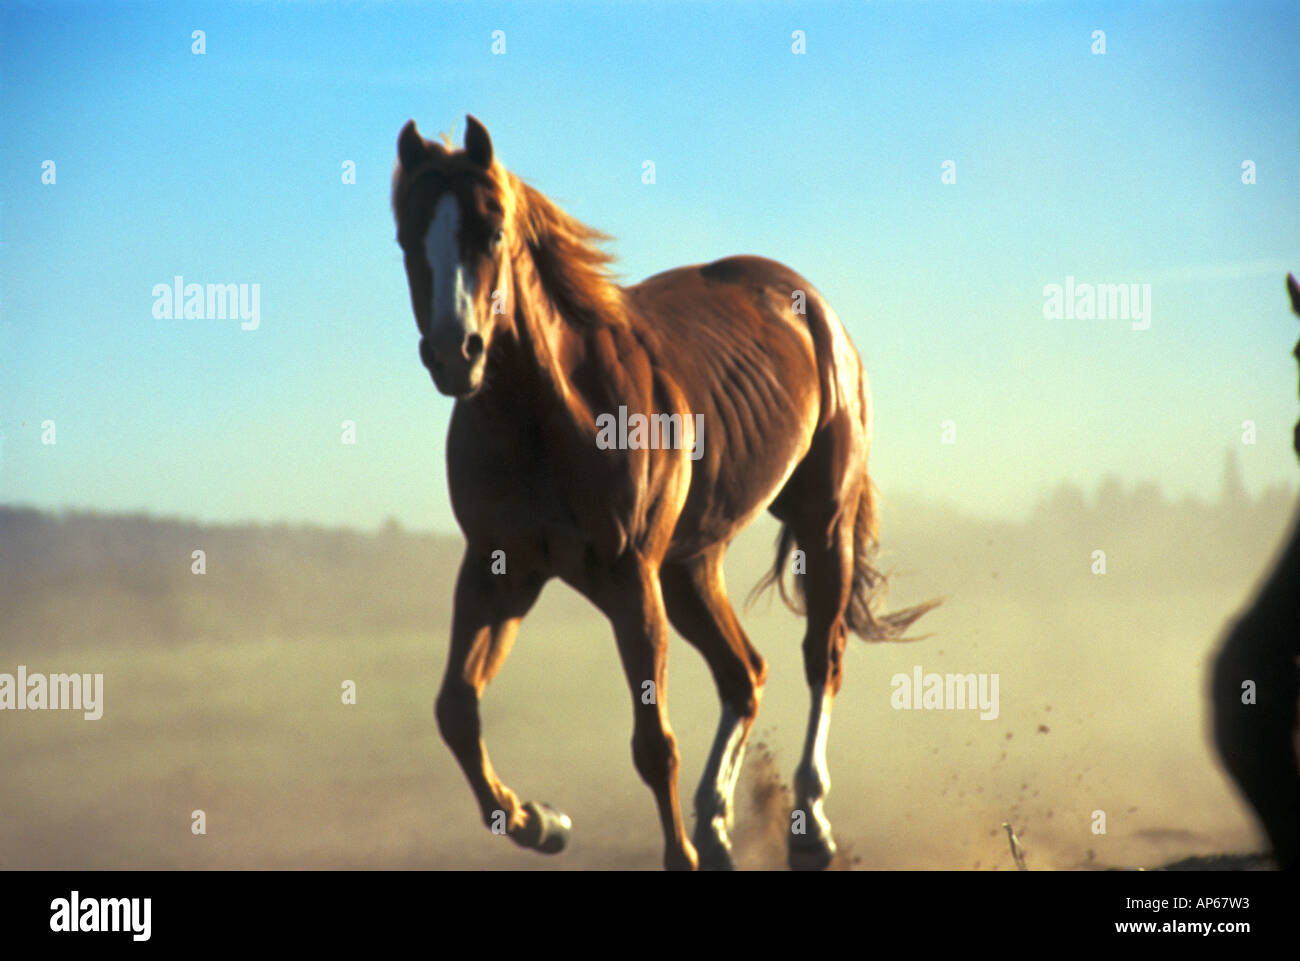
point(497, 236)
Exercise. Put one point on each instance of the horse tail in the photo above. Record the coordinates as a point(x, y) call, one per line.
point(869, 585)
point(775, 577)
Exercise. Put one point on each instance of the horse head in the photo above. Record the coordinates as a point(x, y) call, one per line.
point(454, 227)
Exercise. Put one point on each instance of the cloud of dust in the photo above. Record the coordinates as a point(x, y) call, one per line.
point(222, 694)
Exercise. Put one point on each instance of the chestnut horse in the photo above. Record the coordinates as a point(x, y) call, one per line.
point(761, 402)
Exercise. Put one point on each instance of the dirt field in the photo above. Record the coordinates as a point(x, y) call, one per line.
point(223, 693)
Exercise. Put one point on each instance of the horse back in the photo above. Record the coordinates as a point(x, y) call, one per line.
point(756, 350)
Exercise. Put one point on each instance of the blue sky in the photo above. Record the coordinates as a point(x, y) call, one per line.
point(226, 168)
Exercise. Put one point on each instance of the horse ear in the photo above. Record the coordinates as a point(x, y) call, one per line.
point(477, 142)
point(412, 150)
point(1293, 289)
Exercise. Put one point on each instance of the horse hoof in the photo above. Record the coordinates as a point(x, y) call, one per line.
point(714, 853)
point(683, 859)
point(809, 853)
point(547, 829)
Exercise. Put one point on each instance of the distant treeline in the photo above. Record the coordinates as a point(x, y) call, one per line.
point(81, 579)
point(1151, 543)
point(84, 579)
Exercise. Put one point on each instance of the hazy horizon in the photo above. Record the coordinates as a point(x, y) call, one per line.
point(1230, 483)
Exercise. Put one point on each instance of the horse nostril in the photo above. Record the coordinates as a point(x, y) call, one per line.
point(473, 346)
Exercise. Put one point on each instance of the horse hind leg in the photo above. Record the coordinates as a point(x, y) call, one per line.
point(696, 599)
point(827, 588)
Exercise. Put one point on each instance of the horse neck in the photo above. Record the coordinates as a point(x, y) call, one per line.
point(531, 375)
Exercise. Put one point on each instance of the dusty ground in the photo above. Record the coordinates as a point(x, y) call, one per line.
point(222, 693)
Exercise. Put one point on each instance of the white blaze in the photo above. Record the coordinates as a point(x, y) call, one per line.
point(453, 284)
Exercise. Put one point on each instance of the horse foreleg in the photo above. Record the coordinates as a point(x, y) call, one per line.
point(696, 598)
point(633, 601)
point(488, 609)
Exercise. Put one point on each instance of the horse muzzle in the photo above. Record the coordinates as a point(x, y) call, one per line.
point(457, 368)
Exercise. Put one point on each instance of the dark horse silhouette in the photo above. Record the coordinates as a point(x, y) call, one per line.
point(734, 388)
point(1257, 740)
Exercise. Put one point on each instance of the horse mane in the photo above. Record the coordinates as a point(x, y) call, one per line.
point(574, 270)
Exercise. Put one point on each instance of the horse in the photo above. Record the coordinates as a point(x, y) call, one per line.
point(753, 397)
point(1257, 738)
